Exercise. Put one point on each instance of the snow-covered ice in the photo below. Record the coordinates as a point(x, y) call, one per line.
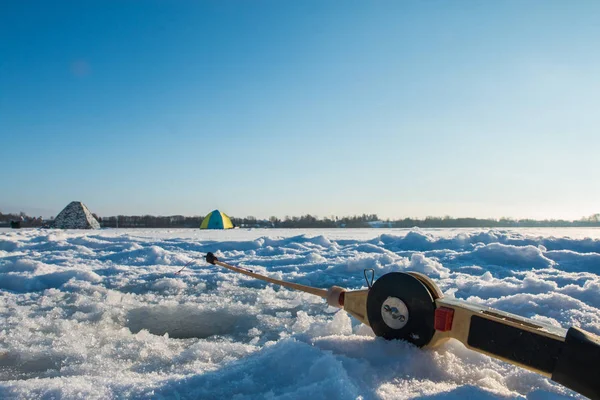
point(102, 314)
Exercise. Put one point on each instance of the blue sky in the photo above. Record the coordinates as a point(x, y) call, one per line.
point(462, 108)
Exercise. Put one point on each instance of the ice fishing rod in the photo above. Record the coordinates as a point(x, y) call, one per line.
point(411, 307)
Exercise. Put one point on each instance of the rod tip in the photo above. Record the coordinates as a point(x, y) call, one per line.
point(210, 258)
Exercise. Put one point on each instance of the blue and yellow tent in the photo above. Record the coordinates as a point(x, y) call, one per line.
point(216, 220)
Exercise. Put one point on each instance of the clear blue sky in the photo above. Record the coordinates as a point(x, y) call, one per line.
point(465, 108)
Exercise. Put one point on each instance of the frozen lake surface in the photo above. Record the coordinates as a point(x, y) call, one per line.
point(102, 314)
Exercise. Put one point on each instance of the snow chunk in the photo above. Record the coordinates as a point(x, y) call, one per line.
point(427, 266)
point(514, 256)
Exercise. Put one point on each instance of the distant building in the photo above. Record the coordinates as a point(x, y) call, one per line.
point(380, 224)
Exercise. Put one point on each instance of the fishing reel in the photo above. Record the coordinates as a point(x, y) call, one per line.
point(410, 306)
point(402, 306)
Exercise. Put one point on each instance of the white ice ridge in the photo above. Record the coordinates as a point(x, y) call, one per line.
point(102, 314)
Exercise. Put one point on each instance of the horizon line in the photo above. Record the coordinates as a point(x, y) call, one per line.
point(336, 217)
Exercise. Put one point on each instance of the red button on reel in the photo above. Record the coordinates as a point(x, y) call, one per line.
point(443, 319)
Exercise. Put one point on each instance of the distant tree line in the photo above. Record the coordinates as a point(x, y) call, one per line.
point(307, 221)
point(372, 220)
point(23, 220)
point(310, 221)
point(356, 221)
point(448, 222)
point(150, 221)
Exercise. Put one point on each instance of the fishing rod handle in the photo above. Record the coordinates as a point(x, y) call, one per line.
point(578, 366)
point(571, 357)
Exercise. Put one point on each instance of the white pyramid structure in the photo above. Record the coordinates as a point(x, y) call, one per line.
point(76, 216)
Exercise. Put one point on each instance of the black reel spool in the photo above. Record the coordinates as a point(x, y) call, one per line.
point(399, 306)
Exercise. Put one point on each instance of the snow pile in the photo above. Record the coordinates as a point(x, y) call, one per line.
point(93, 314)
